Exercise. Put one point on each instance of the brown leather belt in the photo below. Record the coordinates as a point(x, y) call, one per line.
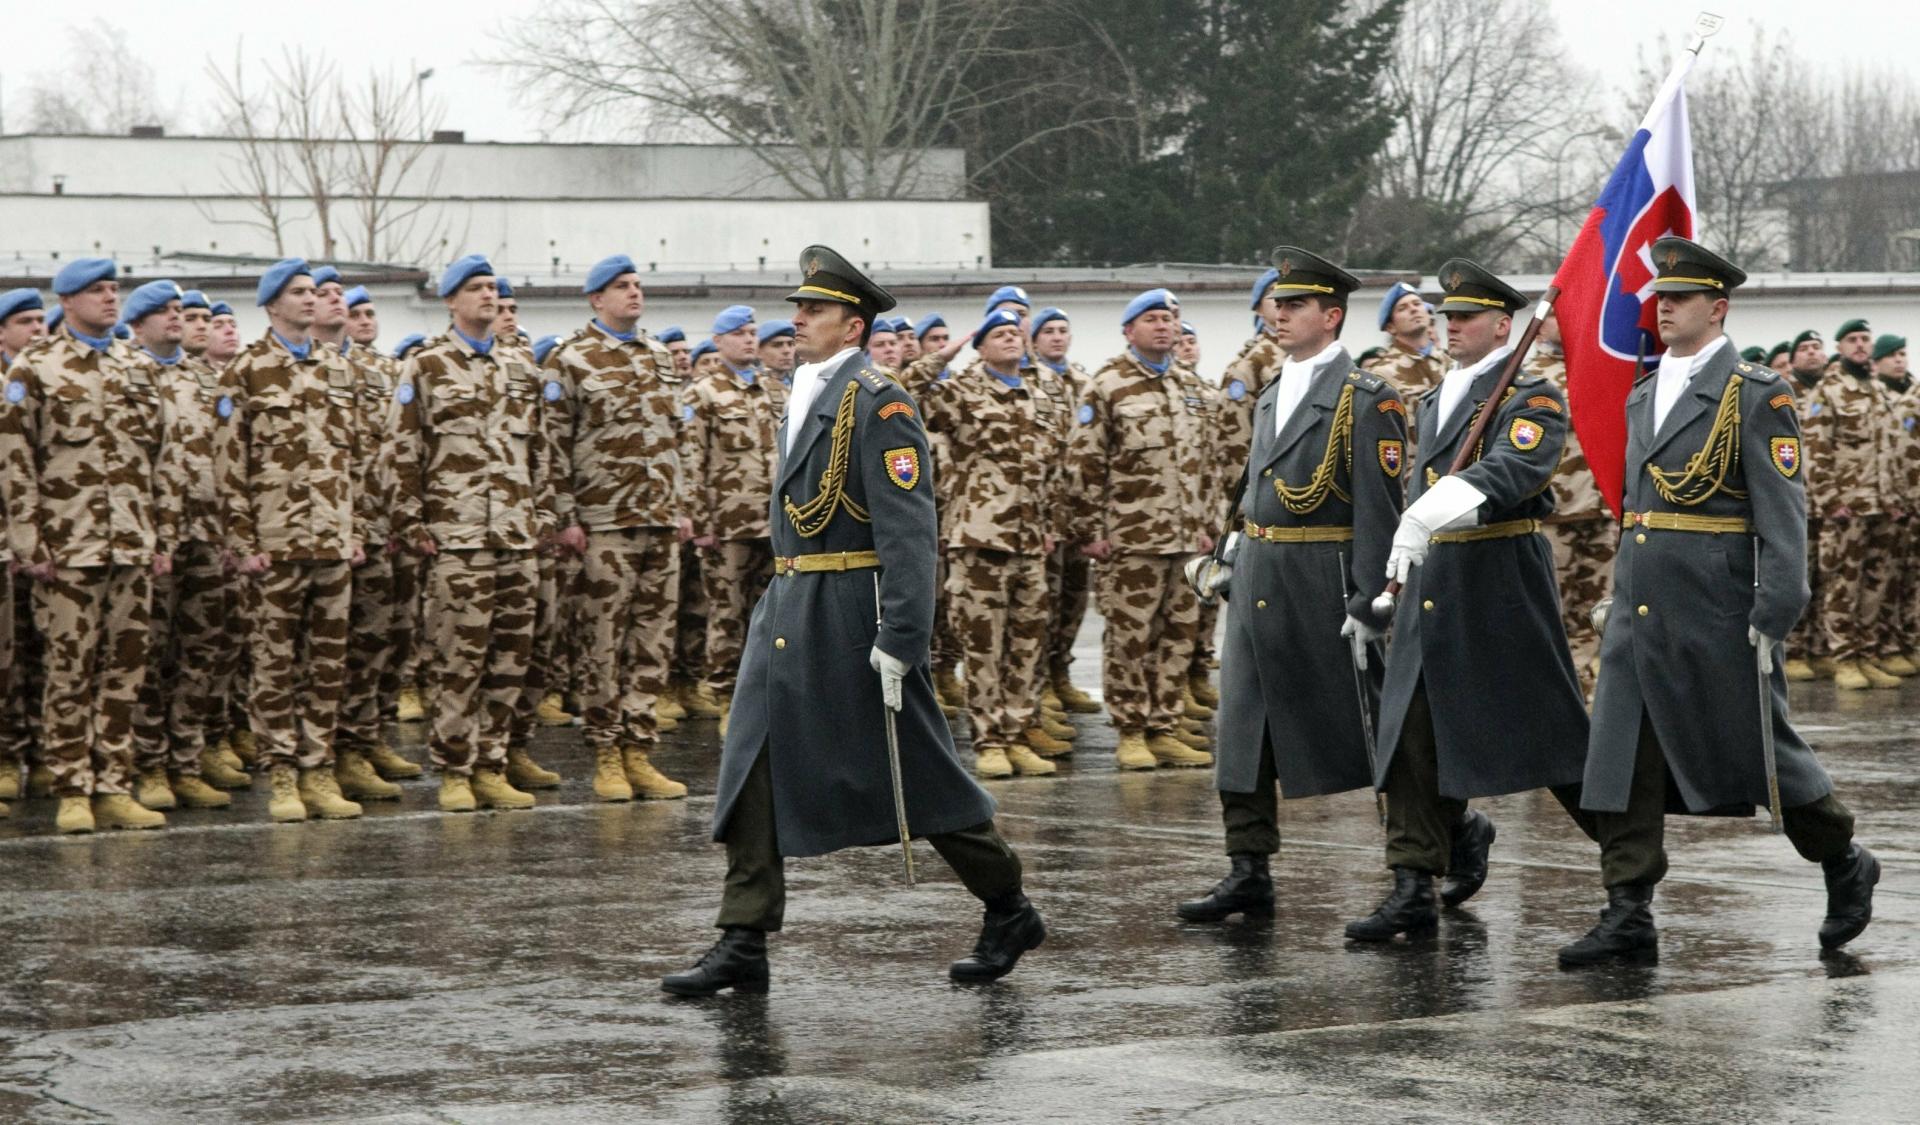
point(826, 561)
point(1506, 529)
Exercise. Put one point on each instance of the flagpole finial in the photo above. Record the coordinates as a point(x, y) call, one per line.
point(1704, 25)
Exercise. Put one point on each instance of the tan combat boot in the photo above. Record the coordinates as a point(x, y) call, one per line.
point(456, 793)
point(407, 706)
point(1195, 708)
point(1877, 677)
point(117, 810)
point(700, 701)
point(75, 816)
point(320, 793)
point(222, 751)
point(649, 784)
point(667, 704)
point(610, 775)
point(1901, 664)
point(726, 713)
point(245, 747)
point(525, 773)
point(151, 789)
point(662, 720)
point(1026, 763)
point(1055, 728)
point(1198, 739)
point(283, 803)
point(1824, 667)
point(1040, 742)
point(1169, 750)
point(358, 780)
point(1202, 690)
point(195, 793)
point(9, 780)
point(1132, 753)
point(991, 761)
point(946, 682)
point(1848, 676)
point(220, 773)
point(390, 763)
point(40, 781)
point(1050, 699)
point(492, 790)
point(1799, 671)
point(552, 711)
point(1072, 699)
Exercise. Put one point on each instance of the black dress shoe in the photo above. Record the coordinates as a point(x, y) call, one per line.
point(1467, 866)
point(1625, 932)
point(1247, 889)
point(1408, 909)
point(737, 961)
point(1011, 927)
point(1850, 881)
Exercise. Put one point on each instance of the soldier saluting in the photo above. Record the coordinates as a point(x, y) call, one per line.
point(1712, 565)
point(805, 769)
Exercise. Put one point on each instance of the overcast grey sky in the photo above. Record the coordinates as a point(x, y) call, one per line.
point(454, 36)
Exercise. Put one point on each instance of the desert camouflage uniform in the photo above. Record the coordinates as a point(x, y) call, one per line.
point(474, 469)
point(81, 436)
point(1900, 625)
point(728, 457)
point(191, 655)
point(688, 640)
point(1004, 472)
point(1069, 573)
point(287, 462)
point(1142, 462)
point(373, 619)
point(1850, 478)
point(616, 421)
point(1808, 641)
point(1583, 535)
point(1203, 651)
point(1411, 373)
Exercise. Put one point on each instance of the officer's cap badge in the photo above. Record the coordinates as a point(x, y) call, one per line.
point(1673, 258)
point(903, 466)
point(1454, 279)
point(813, 266)
point(1285, 267)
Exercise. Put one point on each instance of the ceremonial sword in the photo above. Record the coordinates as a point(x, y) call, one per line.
point(893, 755)
point(1359, 653)
point(1763, 664)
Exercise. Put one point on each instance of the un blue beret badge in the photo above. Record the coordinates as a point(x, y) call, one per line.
point(1236, 390)
point(1086, 413)
point(553, 390)
point(16, 390)
point(1813, 409)
point(403, 394)
point(686, 413)
point(224, 407)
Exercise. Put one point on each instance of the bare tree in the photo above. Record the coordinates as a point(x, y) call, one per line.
point(257, 172)
point(106, 87)
point(384, 119)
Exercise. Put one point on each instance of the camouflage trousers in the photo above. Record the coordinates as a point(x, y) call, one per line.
point(1910, 593)
point(1893, 632)
point(1069, 584)
point(556, 652)
point(1583, 551)
point(479, 611)
point(944, 646)
point(370, 654)
point(1852, 595)
point(1881, 582)
point(12, 681)
point(632, 579)
point(1808, 641)
point(243, 594)
point(409, 587)
point(1151, 614)
point(689, 619)
point(735, 575)
point(95, 622)
point(1206, 631)
point(26, 677)
point(190, 658)
point(999, 605)
point(300, 612)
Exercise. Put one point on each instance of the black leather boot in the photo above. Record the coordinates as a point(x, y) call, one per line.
point(737, 961)
point(1467, 865)
point(1850, 881)
point(1011, 927)
point(1625, 932)
point(1247, 889)
point(1409, 909)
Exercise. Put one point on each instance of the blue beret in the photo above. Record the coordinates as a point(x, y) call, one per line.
point(1260, 287)
point(408, 343)
point(121, 331)
point(704, 347)
point(324, 274)
point(80, 273)
point(194, 299)
point(774, 329)
point(673, 334)
point(1400, 289)
point(903, 324)
point(1007, 293)
point(504, 286)
point(544, 346)
point(463, 271)
point(54, 316)
point(928, 323)
point(19, 300)
point(358, 295)
point(997, 319)
point(605, 270)
point(149, 299)
point(1046, 316)
point(220, 308)
point(276, 278)
point(732, 317)
point(1187, 329)
point(1147, 302)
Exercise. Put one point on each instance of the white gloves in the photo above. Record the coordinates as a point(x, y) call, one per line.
point(893, 674)
point(1763, 644)
point(1451, 503)
point(1359, 635)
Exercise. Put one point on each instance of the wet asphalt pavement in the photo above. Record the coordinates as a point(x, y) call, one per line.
point(502, 967)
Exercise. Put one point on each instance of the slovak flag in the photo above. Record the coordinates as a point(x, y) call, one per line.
point(1607, 317)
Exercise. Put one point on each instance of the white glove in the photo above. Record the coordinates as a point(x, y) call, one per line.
point(893, 675)
point(1451, 503)
point(1359, 635)
point(1763, 644)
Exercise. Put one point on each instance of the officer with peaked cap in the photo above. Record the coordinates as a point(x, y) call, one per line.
point(1711, 574)
point(805, 769)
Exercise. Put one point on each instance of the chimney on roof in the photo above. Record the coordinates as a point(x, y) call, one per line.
point(147, 132)
point(449, 136)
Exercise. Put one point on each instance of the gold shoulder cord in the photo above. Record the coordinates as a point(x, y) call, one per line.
point(811, 518)
point(1706, 471)
point(1310, 496)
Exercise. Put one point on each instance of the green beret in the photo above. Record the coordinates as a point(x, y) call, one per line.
point(1809, 334)
point(1779, 349)
point(1754, 354)
point(1857, 324)
point(1887, 345)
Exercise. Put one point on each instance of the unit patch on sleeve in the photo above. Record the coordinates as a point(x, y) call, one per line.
point(1393, 406)
point(1545, 402)
point(892, 408)
point(1786, 455)
point(1391, 453)
point(1778, 401)
point(903, 466)
point(1525, 434)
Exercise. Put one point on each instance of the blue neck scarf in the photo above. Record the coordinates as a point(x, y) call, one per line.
point(300, 351)
point(746, 374)
point(1013, 380)
point(1057, 368)
point(1157, 368)
point(483, 346)
point(623, 337)
point(165, 360)
point(97, 343)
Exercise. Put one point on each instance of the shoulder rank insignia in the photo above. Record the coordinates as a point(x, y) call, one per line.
point(874, 380)
point(1391, 452)
point(1786, 455)
point(1433, 478)
point(1392, 406)
point(903, 466)
point(1525, 433)
point(1545, 402)
point(892, 408)
point(1778, 401)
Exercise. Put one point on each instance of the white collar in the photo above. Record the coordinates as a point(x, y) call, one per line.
point(1671, 362)
point(1326, 355)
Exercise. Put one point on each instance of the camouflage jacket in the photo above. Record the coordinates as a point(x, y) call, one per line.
point(1410, 372)
point(1140, 451)
point(1576, 496)
point(730, 451)
point(616, 421)
point(1240, 385)
point(1906, 442)
point(376, 375)
point(190, 395)
point(1850, 446)
point(1004, 465)
point(287, 458)
point(1064, 388)
point(81, 437)
point(472, 463)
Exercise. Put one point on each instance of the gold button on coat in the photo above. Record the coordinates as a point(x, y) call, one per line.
point(1261, 604)
point(781, 642)
point(1640, 538)
point(1643, 611)
point(1428, 604)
